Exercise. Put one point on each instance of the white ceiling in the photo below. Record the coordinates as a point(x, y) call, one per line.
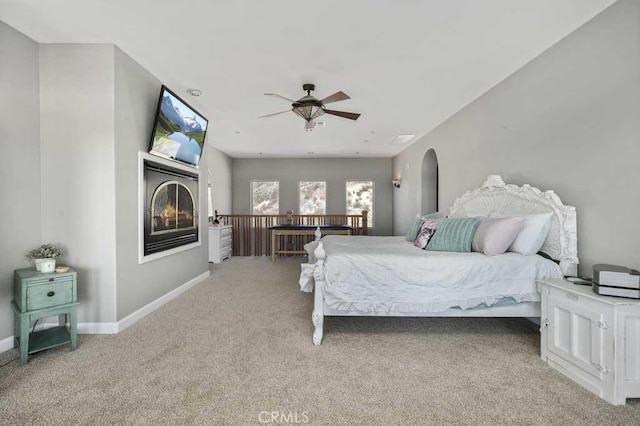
point(407, 65)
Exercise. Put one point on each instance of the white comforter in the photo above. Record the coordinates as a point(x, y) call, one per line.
point(390, 274)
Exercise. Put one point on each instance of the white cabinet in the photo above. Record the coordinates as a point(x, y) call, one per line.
point(592, 339)
point(219, 243)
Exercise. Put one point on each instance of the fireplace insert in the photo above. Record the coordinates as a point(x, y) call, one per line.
point(171, 208)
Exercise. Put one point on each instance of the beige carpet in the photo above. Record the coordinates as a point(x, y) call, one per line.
point(238, 347)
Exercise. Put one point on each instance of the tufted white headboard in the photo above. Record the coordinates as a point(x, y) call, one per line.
point(496, 196)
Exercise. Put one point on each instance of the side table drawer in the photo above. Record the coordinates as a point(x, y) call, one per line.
point(47, 295)
point(49, 280)
point(226, 252)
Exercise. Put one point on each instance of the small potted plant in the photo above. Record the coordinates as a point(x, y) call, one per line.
point(45, 257)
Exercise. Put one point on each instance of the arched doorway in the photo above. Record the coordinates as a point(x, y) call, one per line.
point(429, 182)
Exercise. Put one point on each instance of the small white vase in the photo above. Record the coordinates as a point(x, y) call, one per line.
point(38, 263)
point(47, 265)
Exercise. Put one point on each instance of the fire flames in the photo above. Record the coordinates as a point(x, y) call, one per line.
point(169, 215)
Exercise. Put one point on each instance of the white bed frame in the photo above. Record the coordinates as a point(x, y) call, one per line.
point(493, 196)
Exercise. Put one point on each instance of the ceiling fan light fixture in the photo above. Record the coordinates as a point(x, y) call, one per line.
point(308, 110)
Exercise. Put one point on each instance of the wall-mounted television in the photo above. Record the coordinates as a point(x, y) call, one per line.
point(178, 131)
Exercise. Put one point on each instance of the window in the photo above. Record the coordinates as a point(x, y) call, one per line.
point(265, 197)
point(313, 197)
point(360, 197)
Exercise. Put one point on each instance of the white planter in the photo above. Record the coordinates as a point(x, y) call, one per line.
point(38, 263)
point(47, 265)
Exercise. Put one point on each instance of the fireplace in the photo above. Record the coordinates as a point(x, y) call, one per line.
point(170, 208)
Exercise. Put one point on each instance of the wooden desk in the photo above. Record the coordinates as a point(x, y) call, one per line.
point(278, 230)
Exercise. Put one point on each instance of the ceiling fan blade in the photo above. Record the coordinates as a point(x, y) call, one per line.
point(279, 96)
point(336, 97)
point(275, 113)
point(343, 114)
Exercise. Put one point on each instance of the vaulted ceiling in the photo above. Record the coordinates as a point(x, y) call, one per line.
point(407, 65)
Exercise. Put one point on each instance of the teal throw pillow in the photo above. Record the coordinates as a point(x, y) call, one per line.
point(414, 229)
point(454, 234)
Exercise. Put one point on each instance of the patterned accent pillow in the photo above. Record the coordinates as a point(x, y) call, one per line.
point(414, 229)
point(454, 234)
point(427, 230)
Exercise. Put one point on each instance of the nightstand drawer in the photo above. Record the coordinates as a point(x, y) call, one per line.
point(48, 295)
point(226, 252)
point(225, 242)
point(49, 280)
point(226, 232)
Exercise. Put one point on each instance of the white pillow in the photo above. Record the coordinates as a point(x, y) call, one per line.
point(477, 214)
point(535, 230)
point(494, 236)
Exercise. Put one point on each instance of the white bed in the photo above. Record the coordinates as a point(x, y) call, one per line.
point(389, 276)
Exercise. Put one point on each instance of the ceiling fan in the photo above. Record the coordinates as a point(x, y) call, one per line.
point(310, 108)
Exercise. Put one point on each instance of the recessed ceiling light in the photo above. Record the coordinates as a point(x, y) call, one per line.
point(194, 92)
point(237, 132)
point(373, 131)
point(366, 140)
point(402, 139)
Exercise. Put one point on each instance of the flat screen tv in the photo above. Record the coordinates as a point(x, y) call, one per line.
point(179, 130)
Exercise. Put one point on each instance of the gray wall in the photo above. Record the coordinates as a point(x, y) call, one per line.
point(334, 171)
point(219, 165)
point(73, 119)
point(20, 172)
point(136, 97)
point(78, 203)
point(569, 121)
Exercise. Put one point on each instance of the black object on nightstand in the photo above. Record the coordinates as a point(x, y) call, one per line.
point(579, 281)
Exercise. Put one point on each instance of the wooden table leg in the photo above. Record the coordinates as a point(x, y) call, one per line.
point(273, 246)
point(24, 339)
point(16, 329)
point(73, 327)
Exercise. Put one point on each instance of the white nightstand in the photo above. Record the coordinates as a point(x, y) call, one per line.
point(219, 243)
point(592, 339)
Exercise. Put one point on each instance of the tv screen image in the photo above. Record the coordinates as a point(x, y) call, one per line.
point(179, 130)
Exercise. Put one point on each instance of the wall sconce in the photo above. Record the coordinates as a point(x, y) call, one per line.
point(396, 181)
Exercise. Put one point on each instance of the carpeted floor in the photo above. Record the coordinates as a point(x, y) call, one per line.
point(237, 347)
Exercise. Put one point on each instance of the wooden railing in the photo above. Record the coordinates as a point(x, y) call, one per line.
point(251, 236)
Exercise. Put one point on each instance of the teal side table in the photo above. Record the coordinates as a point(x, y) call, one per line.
point(39, 295)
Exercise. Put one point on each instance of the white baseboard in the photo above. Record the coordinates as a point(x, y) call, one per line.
point(6, 344)
point(97, 328)
point(116, 327)
point(147, 309)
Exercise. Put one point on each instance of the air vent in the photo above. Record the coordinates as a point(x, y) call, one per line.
point(402, 139)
